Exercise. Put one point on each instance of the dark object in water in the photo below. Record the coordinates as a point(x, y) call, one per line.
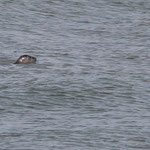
point(25, 59)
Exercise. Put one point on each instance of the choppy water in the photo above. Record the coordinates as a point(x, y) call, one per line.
point(90, 87)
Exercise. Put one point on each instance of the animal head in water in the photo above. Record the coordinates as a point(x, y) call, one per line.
point(25, 59)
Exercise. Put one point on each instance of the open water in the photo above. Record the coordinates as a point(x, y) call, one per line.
point(90, 88)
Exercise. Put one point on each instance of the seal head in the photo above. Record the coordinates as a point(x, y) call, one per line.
point(25, 59)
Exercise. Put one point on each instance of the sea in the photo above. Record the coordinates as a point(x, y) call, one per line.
point(90, 86)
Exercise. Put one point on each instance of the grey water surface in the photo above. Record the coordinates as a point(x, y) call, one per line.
point(90, 88)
